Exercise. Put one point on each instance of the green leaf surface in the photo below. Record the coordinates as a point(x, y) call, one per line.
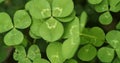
point(87, 52)
point(83, 20)
point(62, 8)
point(38, 9)
point(35, 27)
point(105, 18)
point(19, 54)
point(68, 18)
point(34, 53)
point(113, 39)
point(105, 54)
point(54, 52)
point(5, 22)
point(70, 46)
point(95, 1)
point(22, 19)
point(95, 36)
point(51, 30)
point(118, 52)
point(118, 25)
point(71, 61)
point(13, 37)
point(116, 60)
point(72, 28)
point(114, 5)
point(25, 60)
point(44, 61)
point(102, 7)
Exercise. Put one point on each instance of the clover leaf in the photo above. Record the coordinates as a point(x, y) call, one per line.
point(102, 7)
point(114, 5)
point(38, 9)
point(112, 38)
point(118, 25)
point(70, 46)
point(44, 61)
point(67, 18)
point(83, 20)
point(22, 19)
point(35, 27)
point(72, 28)
point(13, 37)
point(60, 8)
point(71, 61)
point(87, 52)
point(118, 52)
point(49, 30)
point(105, 18)
point(5, 22)
point(116, 60)
point(95, 36)
point(1, 1)
point(95, 1)
point(20, 53)
point(34, 53)
point(54, 52)
point(105, 54)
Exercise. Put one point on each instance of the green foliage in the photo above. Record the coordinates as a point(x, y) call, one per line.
point(60, 31)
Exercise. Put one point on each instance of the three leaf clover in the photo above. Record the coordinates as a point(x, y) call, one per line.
point(21, 20)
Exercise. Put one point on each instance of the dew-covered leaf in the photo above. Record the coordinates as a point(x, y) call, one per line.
point(105, 18)
point(38, 9)
point(13, 37)
point(22, 19)
point(51, 30)
point(54, 52)
point(34, 52)
point(105, 54)
point(87, 52)
point(95, 1)
point(5, 22)
point(113, 39)
point(19, 53)
point(102, 7)
point(62, 8)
